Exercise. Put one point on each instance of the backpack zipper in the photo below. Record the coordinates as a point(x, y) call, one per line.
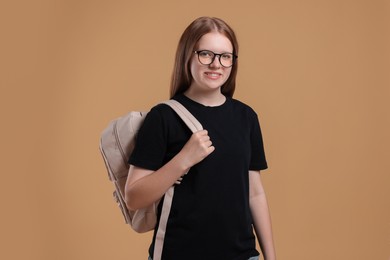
point(119, 146)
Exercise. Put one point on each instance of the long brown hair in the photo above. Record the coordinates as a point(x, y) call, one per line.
point(181, 77)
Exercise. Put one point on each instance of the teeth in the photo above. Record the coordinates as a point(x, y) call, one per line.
point(213, 74)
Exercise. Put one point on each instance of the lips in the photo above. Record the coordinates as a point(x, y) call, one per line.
point(213, 75)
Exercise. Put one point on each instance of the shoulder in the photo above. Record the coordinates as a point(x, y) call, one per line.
point(161, 109)
point(243, 108)
point(162, 114)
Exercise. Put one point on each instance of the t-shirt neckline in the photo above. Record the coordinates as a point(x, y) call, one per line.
point(204, 106)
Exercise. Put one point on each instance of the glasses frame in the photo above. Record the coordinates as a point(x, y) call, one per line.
point(219, 57)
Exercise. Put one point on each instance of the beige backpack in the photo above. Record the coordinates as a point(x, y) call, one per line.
point(116, 145)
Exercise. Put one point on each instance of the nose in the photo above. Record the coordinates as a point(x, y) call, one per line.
point(215, 63)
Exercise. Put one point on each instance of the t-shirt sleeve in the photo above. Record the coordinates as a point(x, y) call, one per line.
point(151, 142)
point(258, 159)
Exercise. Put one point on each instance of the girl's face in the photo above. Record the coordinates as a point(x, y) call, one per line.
point(210, 77)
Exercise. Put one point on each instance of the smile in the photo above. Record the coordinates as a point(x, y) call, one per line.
point(213, 74)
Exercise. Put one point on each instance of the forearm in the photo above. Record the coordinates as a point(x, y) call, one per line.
point(144, 191)
point(144, 187)
point(262, 224)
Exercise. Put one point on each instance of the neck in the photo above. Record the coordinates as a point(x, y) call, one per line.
point(211, 99)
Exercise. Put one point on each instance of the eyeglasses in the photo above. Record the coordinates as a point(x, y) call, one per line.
point(206, 57)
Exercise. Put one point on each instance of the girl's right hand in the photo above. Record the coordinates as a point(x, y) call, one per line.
point(197, 148)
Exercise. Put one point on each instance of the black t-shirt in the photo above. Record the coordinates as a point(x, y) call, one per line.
point(210, 216)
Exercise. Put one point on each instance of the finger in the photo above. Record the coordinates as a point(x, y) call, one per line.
point(205, 138)
point(202, 132)
point(208, 144)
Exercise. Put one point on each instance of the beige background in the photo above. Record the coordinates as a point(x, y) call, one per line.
point(317, 73)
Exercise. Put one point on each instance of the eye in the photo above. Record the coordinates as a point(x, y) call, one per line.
point(227, 56)
point(206, 54)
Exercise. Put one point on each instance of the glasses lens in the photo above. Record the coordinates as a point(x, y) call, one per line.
point(226, 59)
point(206, 57)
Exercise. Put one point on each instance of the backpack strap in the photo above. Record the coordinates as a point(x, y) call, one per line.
point(194, 125)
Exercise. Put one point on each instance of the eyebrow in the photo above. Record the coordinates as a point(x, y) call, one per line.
point(200, 49)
